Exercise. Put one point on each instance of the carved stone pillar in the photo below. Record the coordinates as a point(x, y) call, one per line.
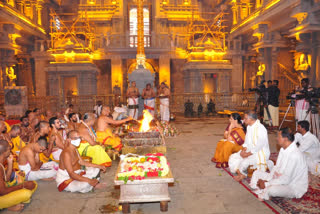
point(116, 72)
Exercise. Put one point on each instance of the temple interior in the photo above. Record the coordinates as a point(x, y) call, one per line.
point(58, 52)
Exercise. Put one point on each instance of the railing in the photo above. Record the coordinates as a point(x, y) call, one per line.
point(82, 104)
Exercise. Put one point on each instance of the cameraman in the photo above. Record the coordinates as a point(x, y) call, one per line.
point(273, 102)
point(302, 104)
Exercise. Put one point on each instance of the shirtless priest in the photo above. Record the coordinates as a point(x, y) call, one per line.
point(70, 177)
point(148, 95)
point(30, 164)
point(133, 100)
point(289, 178)
point(104, 133)
point(13, 194)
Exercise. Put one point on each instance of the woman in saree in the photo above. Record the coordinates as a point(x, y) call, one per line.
point(234, 136)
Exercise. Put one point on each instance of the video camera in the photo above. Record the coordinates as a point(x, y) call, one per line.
point(261, 90)
point(311, 95)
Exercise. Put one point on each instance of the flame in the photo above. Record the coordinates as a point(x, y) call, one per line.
point(147, 118)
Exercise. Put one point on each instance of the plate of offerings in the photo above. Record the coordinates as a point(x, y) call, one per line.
point(143, 178)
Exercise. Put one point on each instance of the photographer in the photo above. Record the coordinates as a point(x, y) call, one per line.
point(302, 104)
point(262, 99)
point(273, 103)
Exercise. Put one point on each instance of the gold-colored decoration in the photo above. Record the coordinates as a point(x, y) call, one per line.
point(300, 16)
point(207, 37)
point(141, 57)
point(10, 74)
point(261, 69)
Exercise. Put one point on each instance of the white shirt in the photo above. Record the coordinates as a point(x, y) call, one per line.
point(292, 170)
point(257, 143)
point(309, 145)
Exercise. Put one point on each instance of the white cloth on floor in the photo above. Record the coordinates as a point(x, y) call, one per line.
point(56, 154)
point(77, 186)
point(289, 178)
point(165, 109)
point(310, 147)
point(256, 142)
point(133, 112)
point(47, 170)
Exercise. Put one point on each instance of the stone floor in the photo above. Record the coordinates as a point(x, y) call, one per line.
point(199, 187)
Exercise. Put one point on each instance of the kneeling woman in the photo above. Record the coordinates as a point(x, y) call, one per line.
point(233, 139)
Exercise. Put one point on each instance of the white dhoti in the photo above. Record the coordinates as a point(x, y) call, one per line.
point(77, 186)
point(47, 170)
point(302, 107)
point(271, 191)
point(164, 109)
point(274, 114)
point(236, 162)
point(133, 105)
point(56, 154)
point(149, 105)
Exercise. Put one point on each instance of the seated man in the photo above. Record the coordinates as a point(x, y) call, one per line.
point(104, 132)
point(255, 150)
point(70, 177)
point(73, 122)
point(89, 146)
point(12, 197)
point(44, 130)
point(26, 130)
point(30, 164)
point(309, 145)
point(14, 139)
point(289, 178)
point(56, 137)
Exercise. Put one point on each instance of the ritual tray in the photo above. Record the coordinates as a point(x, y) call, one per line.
point(152, 189)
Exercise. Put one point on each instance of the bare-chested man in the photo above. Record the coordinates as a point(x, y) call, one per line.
point(26, 130)
point(89, 145)
point(44, 130)
point(31, 165)
point(70, 176)
point(133, 101)
point(13, 138)
point(12, 196)
point(148, 95)
point(55, 136)
point(48, 115)
point(73, 122)
point(104, 132)
point(164, 95)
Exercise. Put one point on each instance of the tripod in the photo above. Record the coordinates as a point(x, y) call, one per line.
point(291, 106)
point(260, 104)
point(314, 121)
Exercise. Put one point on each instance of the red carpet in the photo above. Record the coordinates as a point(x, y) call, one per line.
point(309, 203)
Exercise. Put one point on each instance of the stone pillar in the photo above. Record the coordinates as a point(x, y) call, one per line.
point(164, 69)
point(41, 78)
point(20, 5)
point(314, 75)
point(39, 12)
point(237, 74)
point(116, 72)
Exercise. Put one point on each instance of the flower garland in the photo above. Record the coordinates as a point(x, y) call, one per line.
point(141, 167)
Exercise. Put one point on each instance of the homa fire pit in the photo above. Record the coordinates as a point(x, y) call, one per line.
point(143, 143)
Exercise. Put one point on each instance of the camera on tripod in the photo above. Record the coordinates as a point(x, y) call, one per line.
point(311, 95)
point(261, 90)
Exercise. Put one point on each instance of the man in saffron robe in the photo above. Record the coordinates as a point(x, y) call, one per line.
point(70, 177)
point(104, 132)
point(89, 146)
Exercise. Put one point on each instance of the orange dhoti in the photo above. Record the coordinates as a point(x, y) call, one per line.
point(107, 138)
